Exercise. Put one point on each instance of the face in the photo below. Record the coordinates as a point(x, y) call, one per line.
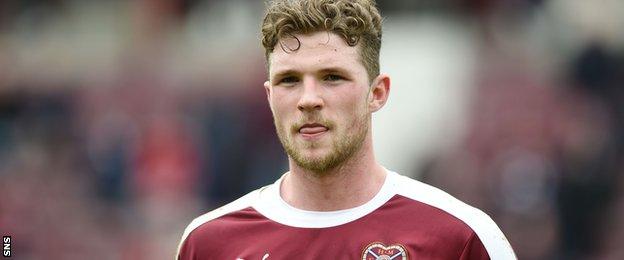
point(319, 98)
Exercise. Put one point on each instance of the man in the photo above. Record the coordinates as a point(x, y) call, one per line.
point(336, 201)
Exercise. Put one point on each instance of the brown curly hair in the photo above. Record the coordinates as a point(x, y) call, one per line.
point(356, 21)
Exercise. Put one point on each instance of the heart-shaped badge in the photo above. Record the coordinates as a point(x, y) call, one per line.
point(379, 251)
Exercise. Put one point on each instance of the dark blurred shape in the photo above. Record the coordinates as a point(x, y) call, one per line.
point(597, 70)
point(590, 156)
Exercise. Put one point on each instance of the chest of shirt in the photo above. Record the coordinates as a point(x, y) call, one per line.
point(367, 238)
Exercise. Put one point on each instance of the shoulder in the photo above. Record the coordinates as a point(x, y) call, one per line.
point(214, 215)
point(484, 227)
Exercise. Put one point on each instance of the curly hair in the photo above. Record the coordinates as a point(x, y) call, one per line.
point(356, 21)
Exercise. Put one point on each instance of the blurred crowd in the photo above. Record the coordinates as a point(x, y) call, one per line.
point(120, 121)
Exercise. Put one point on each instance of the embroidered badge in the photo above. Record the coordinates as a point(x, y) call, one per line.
point(379, 251)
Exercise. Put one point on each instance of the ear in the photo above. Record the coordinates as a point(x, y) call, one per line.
point(379, 91)
point(267, 89)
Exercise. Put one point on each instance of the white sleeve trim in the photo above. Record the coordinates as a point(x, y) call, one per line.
point(241, 203)
point(489, 233)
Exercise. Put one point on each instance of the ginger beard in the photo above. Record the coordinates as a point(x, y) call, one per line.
point(344, 142)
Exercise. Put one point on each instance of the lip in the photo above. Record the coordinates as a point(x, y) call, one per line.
point(312, 130)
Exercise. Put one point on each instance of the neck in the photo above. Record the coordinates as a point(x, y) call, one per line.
point(353, 183)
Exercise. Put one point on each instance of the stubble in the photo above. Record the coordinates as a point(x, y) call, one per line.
point(342, 147)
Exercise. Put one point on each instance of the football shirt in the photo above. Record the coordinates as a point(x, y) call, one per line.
point(406, 219)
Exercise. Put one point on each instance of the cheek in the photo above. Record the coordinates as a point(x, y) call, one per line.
point(355, 104)
point(350, 111)
point(282, 110)
point(278, 104)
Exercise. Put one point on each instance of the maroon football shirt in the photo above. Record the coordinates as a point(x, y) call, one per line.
point(407, 219)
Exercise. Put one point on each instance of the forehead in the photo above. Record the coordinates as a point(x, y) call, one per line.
point(316, 51)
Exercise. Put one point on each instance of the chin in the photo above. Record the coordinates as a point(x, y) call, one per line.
point(314, 155)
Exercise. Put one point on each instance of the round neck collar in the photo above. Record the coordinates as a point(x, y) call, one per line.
point(273, 206)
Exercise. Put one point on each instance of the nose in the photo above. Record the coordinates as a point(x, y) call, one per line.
point(311, 98)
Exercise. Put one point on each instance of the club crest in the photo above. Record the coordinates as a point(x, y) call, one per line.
point(379, 251)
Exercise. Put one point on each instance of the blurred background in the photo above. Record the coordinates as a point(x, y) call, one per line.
point(121, 121)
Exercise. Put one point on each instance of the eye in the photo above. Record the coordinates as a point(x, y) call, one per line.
point(288, 80)
point(333, 77)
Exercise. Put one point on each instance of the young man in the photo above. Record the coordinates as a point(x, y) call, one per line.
point(336, 201)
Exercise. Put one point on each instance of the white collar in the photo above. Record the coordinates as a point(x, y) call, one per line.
point(272, 206)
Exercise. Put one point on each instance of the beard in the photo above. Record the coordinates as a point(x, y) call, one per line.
point(342, 145)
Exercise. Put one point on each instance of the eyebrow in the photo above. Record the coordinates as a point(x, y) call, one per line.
point(334, 70)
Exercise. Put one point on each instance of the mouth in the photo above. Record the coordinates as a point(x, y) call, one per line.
point(312, 130)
